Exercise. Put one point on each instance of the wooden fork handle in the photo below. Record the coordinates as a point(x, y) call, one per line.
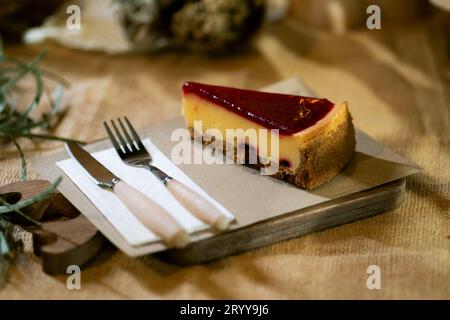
point(198, 205)
point(152, 215)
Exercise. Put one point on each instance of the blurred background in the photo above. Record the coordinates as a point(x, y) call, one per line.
point(213, 27)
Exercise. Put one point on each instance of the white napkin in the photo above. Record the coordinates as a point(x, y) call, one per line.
point(115, 211)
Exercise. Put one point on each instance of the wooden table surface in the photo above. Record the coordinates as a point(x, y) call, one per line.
point(397, 82)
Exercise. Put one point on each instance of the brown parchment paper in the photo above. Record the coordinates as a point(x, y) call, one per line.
point(247, 194)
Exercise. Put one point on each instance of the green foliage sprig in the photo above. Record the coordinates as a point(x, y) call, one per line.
point(17, 122)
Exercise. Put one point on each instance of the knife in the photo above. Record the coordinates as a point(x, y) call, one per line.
point(148, 212)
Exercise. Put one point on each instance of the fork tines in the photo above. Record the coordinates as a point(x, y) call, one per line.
point(128, 140)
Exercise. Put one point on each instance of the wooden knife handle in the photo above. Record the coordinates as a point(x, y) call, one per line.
point(198, 205)
point(152, 215)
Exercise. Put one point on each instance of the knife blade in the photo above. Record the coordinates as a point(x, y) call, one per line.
point(148, 212)
point(102, 176)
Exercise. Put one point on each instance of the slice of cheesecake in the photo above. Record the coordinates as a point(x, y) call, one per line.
point(316, 136)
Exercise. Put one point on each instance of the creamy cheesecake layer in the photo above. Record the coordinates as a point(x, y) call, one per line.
point(290, 146)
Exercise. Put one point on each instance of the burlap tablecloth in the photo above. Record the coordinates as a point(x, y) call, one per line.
point(397, 83)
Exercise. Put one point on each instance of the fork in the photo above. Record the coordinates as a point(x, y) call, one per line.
point(133, 152)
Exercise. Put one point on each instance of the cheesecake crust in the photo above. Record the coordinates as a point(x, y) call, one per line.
point(325, 155)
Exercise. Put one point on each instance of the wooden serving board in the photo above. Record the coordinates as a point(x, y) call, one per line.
point(325, 215)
